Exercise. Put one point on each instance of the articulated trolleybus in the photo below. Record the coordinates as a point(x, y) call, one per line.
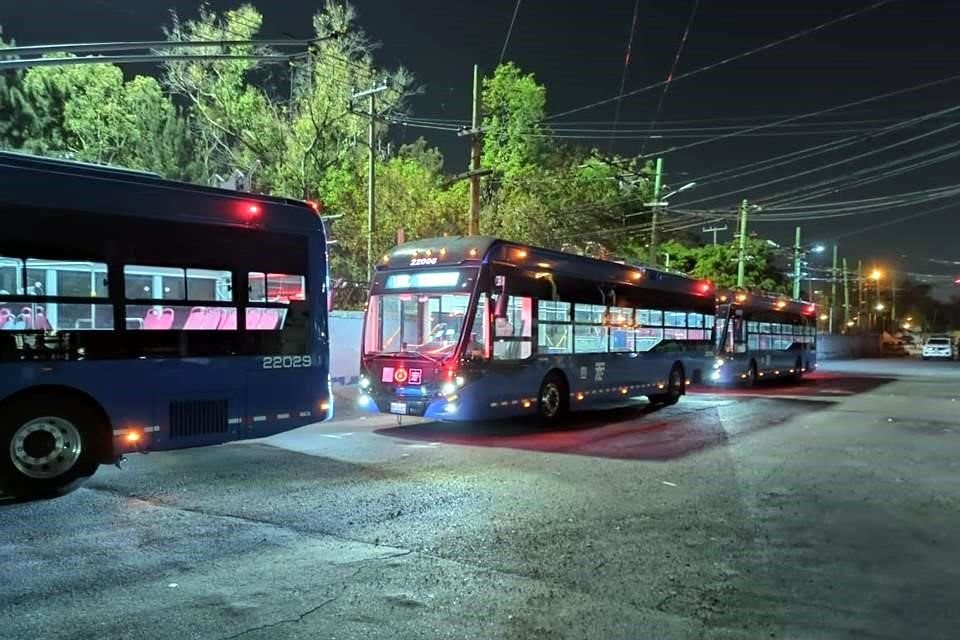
point(138, 313)
point(473, 328)
point(763, 336)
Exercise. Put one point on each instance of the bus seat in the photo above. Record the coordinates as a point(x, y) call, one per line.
point(158, 319)
point(25, 321)
point(196, 318)
point(40, 320)
point(229, 320)
point(254, 316)
point(212, 318)
point(269, 319)
point(5, 318)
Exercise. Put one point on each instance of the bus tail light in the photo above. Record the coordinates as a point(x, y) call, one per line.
point(134, 436)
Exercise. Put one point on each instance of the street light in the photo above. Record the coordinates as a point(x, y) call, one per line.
point(876, 274)
point(880, 306)
point(818, 248)
point(689, 185)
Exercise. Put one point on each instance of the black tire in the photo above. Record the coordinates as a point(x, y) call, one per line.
point(752, 377)
point(676, 387)
point(553, 400)
point(48, 446)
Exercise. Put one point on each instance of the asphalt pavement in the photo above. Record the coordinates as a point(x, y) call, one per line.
point(824, 509)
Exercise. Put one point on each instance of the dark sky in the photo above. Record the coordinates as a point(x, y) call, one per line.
point(577, 50)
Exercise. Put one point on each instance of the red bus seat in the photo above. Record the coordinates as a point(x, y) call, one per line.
point(269, 319)
point(212, 318)
point(229, 320)
point(196, 318)
point(158, 319)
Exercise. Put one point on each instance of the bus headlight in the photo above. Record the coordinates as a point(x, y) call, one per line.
point(448, 389)
point(460, 381)
point(451, 407)
point(715, 375)
point(718, 363)
point(364, 382)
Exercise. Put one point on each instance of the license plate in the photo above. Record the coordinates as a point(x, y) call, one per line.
point(398, 407)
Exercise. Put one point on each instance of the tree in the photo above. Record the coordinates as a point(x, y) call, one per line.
point(544, 193)
point(17, 116)
point(89, 113)
point(718, 263)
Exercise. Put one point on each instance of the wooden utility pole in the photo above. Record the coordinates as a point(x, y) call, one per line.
point(474, 173)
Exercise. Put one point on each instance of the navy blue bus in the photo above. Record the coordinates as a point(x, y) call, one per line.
point(138, 313)
point(472, 328)
point(763, 337)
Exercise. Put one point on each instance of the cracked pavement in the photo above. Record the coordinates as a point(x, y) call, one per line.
point(821, 510)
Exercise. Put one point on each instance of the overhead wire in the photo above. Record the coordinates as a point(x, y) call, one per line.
point(506, 41)
point(673, 68)
point(626, 68)
point(728, 60)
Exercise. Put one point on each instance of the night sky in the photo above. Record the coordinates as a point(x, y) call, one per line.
point(577, 51)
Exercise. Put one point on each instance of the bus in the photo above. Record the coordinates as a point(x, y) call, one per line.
point(139, 314)
point(763, 336)
point(477, 328)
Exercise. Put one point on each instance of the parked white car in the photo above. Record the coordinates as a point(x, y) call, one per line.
point(938, 347)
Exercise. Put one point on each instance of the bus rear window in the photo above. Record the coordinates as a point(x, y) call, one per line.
point(276, 287)
point(11, 276)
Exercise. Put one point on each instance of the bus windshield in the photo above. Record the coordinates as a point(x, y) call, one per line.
point(424, 324)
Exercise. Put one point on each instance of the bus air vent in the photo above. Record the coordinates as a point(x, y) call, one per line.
point(191, 418)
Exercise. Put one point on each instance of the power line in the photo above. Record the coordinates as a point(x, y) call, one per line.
point(626, 68)
point(833, 164)
point(739, 56)
point(673, 68)
point(506, 41)
point(812, 114)
point(896, 221)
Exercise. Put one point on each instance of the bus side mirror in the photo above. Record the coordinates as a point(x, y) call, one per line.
point(500, 307)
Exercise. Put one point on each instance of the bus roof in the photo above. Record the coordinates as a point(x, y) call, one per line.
point(465, 250)
point(760, 301)
point(34, 181)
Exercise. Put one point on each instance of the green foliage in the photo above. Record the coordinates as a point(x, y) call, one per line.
point(17, 115)
point(544, 193)
point(718, 263)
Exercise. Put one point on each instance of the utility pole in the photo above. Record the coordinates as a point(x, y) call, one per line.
point(846, 296)
point(475, 132)
point(796, 265)
point(714, 231)
point(742, 253)
point(371, 95)
point(476, 147)
point(893, 301)
point(833, 289)
point(654, 231)
point(859, 292)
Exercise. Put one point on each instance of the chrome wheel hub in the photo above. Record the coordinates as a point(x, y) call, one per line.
point(45, 447)
point(550, 400)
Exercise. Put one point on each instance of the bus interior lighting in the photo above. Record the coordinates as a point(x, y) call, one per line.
point(741, 297)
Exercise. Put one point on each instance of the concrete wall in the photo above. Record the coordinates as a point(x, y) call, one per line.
point(843, 347)
point(345, 330)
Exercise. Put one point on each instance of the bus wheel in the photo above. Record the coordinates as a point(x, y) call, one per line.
point(676, 387)
point(46, 447)
point(552, 400)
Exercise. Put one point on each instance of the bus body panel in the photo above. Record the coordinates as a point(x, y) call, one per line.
point(237, 383)
point(456, 387)
point(748, 320)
